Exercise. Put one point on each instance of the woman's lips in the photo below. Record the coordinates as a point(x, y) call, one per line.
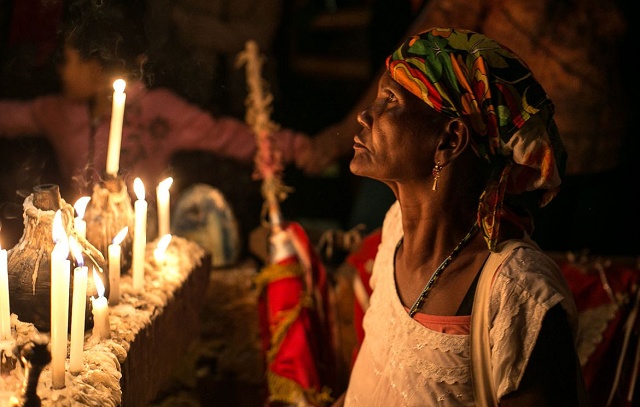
point(357, 144)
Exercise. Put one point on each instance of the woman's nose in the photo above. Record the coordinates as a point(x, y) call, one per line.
point(364, 117)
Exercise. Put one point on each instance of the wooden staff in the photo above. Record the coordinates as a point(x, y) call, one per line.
point(268, 160)
point(303, 320)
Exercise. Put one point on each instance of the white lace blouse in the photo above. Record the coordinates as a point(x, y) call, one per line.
point(402, 363)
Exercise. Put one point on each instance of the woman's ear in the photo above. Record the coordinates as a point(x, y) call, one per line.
point(454, 140)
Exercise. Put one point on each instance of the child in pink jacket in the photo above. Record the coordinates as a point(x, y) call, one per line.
point(99, 46)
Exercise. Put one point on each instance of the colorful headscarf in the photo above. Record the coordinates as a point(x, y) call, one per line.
point(461, 73)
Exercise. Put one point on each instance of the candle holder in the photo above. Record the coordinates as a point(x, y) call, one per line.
point(29, 261)
point(34, 356)
point(8, 362)
point(108, 211)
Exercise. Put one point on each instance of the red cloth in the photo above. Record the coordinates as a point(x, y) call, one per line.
point(588, 290)
point(296, 328)
point(362, 260)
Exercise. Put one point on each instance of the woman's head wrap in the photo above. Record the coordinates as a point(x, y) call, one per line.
point(464, 74)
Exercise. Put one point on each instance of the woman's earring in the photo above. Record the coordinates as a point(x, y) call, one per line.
point(436, 174)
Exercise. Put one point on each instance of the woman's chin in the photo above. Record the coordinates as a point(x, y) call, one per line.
point(360, 167)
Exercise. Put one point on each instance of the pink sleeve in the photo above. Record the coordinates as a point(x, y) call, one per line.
point(45, 116)
point(17, 118)
point(197, 129)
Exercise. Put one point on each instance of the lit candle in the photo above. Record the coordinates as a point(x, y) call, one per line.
point(115, 253)
point(164, 208)
point(159, 253)
point(115, 135)
point(60, 277)
point(79, 224)
point(100, 310)
point(5, 313)
point(78, 308)
point(139, 234)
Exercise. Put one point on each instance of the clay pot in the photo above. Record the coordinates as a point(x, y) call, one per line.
point(107, 213)
point(29, 261)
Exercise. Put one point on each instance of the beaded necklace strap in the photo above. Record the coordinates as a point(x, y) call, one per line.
point(423, 295)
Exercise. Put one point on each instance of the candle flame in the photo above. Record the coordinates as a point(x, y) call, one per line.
point(163, 243)
point(138, 188)
point(121, 235)
point(119, 85)
point(59, 235)
point(165, 184)
point(99, 284)
point(76, 250)
point(159, 252)
point(81, 205)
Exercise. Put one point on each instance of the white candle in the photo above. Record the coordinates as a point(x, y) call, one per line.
point(78, 309)
point(79, 223)
point(159, 253)
point(115, 135)
point(100, 310)
point(164, 207)
point(115, 253)
point(5, 313)
point(60, 277)
point(139, 234)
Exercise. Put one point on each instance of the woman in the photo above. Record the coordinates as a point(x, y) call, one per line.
point(464, 136)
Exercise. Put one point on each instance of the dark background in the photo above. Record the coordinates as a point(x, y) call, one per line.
point(326, 53)
point(325, 60)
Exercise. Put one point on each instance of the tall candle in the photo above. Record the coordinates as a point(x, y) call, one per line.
point(79, 223)
point(60, 277)
point(78, 309)
point(100, 310)
point(115, 134)
point(164, 208)
point(115, 253)
point(139, 234)
point(5, 313)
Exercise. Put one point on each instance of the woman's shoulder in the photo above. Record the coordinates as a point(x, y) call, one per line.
point(523, 257)
point(526, 271)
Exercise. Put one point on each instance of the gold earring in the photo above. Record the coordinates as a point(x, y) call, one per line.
point(436, 174)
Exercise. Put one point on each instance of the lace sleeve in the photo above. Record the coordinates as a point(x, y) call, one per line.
point(528, 284)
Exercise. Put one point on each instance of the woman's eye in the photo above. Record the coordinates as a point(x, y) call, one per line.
point(391, 97)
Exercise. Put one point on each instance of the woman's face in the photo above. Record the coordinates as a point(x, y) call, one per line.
point(398, 137)
point(80, 78)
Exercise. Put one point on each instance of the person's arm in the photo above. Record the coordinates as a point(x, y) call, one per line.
point(18, 118)
point(336, 140)
point(552, 376)
point(196, 129)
